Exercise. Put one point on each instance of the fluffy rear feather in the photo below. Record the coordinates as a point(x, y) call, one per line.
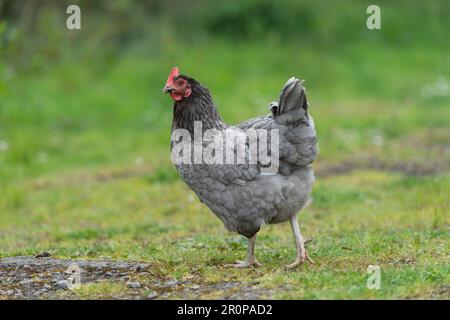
point(292, 105)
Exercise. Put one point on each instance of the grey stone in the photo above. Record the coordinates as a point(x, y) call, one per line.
point(63, 284)
point(169, 284)
point(133, 284)
point(152, 295)
point(26, 281)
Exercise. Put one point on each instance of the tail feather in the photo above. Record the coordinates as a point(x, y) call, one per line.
point(299, 134)
point(292, 105)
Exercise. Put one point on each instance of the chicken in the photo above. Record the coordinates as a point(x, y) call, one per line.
point(241, 195)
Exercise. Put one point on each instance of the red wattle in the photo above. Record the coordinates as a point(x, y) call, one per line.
point(176, 96)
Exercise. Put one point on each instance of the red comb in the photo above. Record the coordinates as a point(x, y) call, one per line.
point(174, 73)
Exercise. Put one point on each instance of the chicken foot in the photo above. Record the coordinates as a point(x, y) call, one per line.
point(302, 255)
point(250, 261)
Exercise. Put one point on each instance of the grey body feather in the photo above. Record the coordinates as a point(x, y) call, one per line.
point(238, 194)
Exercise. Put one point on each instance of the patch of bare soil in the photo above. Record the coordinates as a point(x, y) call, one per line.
point(407, 168)
point(41, 277)
point(45, 277)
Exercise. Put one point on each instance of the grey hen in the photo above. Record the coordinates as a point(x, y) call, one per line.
point(240, 194)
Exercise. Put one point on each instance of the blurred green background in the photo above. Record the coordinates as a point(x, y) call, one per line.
point(72, 89)
point(84, 132)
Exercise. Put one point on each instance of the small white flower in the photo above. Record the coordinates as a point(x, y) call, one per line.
point(42, 157)
point(139, 161)
point(439, 88)
point(3, 145)
point(377, 139)
point(190, 198)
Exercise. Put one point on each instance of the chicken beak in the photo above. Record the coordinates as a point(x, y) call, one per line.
point(167, 89)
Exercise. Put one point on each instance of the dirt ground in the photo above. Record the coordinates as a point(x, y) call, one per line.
point(45, 277)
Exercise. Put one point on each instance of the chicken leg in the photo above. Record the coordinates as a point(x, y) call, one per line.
point(250, 260)
point(302, 255)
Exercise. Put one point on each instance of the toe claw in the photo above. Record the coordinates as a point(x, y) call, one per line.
point(293, 265)
point(243, 264)
point(308, 258)
point(300, 260)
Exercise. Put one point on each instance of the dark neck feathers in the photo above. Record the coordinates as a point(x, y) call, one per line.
point(199, 106)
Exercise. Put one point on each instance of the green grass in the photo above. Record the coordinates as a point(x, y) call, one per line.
point(87, 170)
point(359, 219)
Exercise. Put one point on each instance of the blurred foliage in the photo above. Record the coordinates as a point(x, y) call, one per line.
point(33, 32)
point(93, 96)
